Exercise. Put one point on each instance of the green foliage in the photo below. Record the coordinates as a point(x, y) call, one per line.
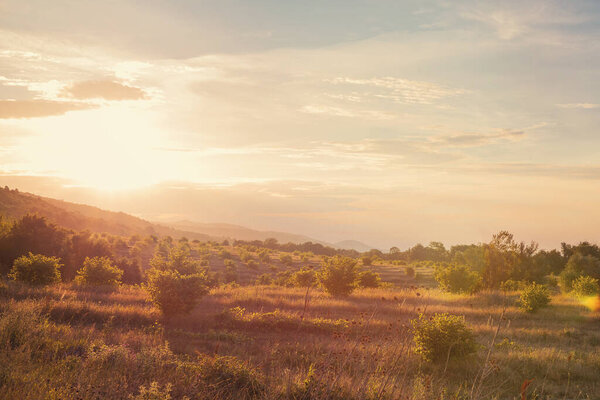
point(586, 286)
point(286, 259)
point(578, 265)
point(368, 279)
point(367, 260)
point(98, 271)
point(264, 279)
point(338, 276)
point(512, 285)
point(36, 269)
point(534, 297)
point(174, 293)
point(176, 259)
point(457, 279)
point(305, 277)
point(442, 336)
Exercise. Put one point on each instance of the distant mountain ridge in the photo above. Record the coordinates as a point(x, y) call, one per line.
point(15, 204)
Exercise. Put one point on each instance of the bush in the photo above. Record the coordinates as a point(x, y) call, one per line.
point(367, 260)
point(228, 377)
point(98, 271)
point(410, 272)
point(442, 336)
point(369, 279)
point(252, 264)
point(304, 278)
point(154, 392)
point(534, 297)
point(174, 293)
point(338, 276)
point(586, 286)
point(36, 269)
point(286, 259)
point(512, 285)
point(578, 265)
point(457, 279)
point(264, 279)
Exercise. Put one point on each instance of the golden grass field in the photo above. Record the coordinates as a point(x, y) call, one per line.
point(101, 343)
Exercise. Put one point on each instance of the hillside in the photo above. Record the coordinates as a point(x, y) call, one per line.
point(15, 204)
point(353, 245)
point(242, 233)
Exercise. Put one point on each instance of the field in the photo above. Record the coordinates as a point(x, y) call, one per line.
point(67, 342)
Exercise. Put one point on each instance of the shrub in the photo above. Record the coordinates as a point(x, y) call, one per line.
point(338, 276)
point(286, 259)
point(442, 336)
point(174, 293)
point(511, 285)
point(36, 269)
point(252, 264)
point(577, 266)
point(228, 377)
point(369, 279)
point(154, 392)
point(457, 279)
point(263, 256)
point(410, 272)
point(98, 271)
point(367, 260)
point(264, 279)
point(534, 297)
point(586, 286)
point(304, 278)
point(177, 259)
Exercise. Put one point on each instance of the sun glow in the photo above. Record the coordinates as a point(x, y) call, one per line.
point(112, 148)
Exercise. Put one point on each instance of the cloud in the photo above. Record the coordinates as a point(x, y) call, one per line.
point(479, 139)
point(37, 108)
point(400, 90)
point(586, 106)
point(104, 89)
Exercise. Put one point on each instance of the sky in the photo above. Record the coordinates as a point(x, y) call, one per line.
point(388, 122)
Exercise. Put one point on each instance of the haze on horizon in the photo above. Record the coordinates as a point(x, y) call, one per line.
point(387, 122)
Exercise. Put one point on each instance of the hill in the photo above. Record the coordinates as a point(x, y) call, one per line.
point(15, 204)
point(242, 233)
point(352, 245)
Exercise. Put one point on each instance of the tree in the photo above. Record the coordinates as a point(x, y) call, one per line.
point(174, 293)
point(36, 269)
point(457, 279)
point(305, 277)
point(338, 275)
point(177, 259)
point(98, 271)
point(578, 265)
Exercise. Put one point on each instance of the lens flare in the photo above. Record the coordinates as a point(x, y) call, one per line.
point(591, 302)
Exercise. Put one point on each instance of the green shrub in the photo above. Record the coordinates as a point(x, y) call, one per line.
point(286, 259)
point(264, 279)
point(534, 297)
point(367, 260)
point(578, 265)
point(586, 286)
point(36, 269)
point(304, 278)
point(177, 259)
point(457, 279)
point(512, 285)
point(174, 293)
point(98, 271)
point(228, 377)
point(410, 272)
point(338, 276)
point(442, 336)
point(369, 279)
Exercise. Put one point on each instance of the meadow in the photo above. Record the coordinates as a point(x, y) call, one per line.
point(68, 342)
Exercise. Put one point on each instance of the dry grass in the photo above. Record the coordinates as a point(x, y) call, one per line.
point(320, 347)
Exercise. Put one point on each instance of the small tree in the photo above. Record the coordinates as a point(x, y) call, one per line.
point(338, 275)
point(174, 293)
point(457, 279)
point(369, 279)
point(367, 260)
point(304, 278)
point(98, 271)
point(36, 269)
point(286, 259)
point(442, 337)
point(534, 297)
point(410, 272)
point(586, 286)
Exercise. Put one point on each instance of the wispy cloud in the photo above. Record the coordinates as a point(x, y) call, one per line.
point(10, 109)
point(104, 89)
point(586, 106)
